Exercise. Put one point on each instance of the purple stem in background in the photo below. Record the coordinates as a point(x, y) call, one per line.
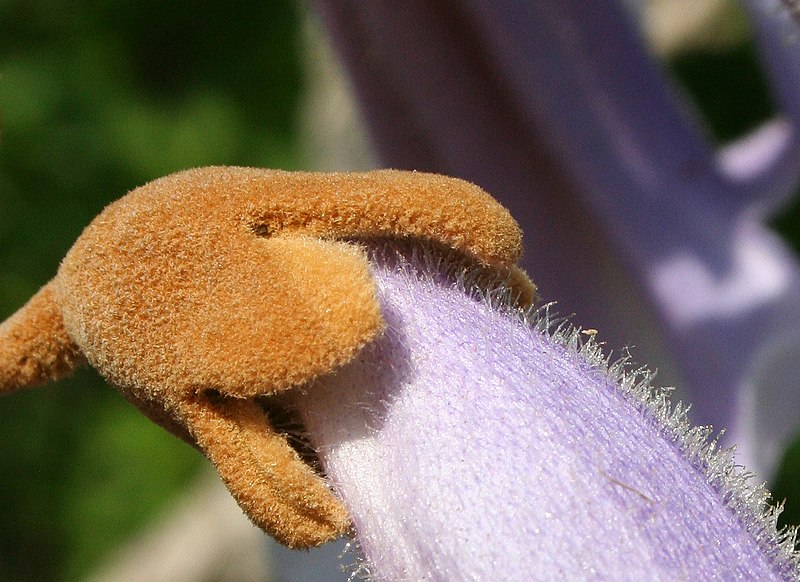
point(470, 443)
point(633, 220)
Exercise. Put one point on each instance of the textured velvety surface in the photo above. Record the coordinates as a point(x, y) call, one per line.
point(28, 356)
point(217, 278)
point(471, 446)
point(201, 291)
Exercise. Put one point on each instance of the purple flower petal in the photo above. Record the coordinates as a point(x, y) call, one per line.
point(470, 443)
point(634, 221)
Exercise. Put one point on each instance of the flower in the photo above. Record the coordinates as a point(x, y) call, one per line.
point(634, 221)
point(474, 441)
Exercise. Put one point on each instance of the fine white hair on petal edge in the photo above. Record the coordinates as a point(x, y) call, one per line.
point(749, 500)
point(403, 530)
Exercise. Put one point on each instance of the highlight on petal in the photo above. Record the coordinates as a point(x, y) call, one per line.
point(473, 441)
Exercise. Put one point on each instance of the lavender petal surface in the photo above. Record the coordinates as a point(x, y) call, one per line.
point(471, 443)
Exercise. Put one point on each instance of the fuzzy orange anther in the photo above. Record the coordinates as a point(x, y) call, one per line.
point(202, 293)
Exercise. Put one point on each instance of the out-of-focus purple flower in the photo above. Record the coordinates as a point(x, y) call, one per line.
point(633, 220)
point(473, 442)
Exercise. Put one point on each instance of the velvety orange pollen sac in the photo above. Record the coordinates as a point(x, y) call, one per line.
point(203, 294)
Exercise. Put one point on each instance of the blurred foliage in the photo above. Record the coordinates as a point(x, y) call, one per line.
point(787, 224)
point(786, 485)
point(95, 99)
point(728, 88)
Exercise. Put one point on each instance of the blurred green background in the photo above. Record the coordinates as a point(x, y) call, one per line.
point(98, 98)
